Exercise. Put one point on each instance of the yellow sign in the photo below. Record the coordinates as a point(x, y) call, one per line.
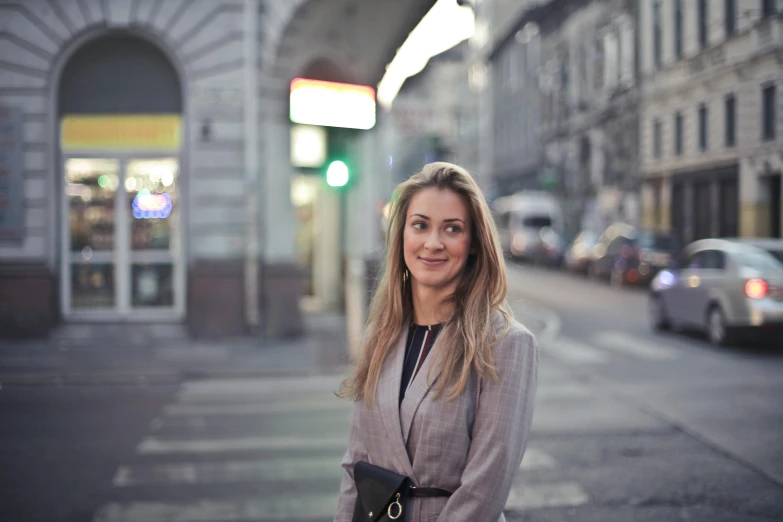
point(121, 133)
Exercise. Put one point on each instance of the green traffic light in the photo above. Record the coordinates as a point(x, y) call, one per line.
point(337, 174)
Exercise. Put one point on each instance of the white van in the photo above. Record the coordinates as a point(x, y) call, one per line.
point(530, 224)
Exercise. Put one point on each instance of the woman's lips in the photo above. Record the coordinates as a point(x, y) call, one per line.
point(431, 261)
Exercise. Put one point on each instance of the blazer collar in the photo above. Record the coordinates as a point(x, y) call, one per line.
point(398, 418)
point(424, 379)
point(388, 402)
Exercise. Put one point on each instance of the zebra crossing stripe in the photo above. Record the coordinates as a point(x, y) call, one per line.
point(215, 388)
point(301, 508)
point(223, 472)
point(537, 496)
point(576, 352)
point(154, 445)
point(536, 459)
point(255, 408)
point(635, 346)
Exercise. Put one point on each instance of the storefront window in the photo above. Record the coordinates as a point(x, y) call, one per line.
point(90, 185)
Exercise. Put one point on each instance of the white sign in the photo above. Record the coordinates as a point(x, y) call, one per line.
point(308, 146)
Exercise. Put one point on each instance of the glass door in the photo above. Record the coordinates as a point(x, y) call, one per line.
point(122, 241)
point(152, 272)
point(90, 271)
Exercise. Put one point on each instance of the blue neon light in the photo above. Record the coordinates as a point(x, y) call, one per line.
point(151, 206)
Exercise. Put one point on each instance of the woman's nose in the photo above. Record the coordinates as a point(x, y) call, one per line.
point(433, 240)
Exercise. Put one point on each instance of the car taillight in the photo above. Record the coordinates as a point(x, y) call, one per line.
point(756, 288)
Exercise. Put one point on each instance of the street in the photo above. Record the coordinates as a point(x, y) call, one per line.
point(629, 425)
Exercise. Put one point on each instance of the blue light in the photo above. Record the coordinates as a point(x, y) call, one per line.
point(151, 206)
point(667, 278)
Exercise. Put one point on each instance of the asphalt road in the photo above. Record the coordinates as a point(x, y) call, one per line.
point(629, 426)
point(648, 426)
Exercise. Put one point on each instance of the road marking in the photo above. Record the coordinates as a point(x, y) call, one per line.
point(575, 352)
point(229, 471)
point(635, 346)
point(256, 408)
point(154, 445)
point(300, 507)
point(537, 496)
point(536, 459)
point(213, 388)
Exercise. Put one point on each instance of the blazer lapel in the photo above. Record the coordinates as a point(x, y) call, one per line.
point(388, 401)
point(421, 384)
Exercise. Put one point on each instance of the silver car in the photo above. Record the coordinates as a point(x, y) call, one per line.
point(725, 287)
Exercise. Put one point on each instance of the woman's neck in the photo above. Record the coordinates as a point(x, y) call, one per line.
point(431, 305)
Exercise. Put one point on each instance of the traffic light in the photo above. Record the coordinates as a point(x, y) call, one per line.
point(337, 174)
point(339, 168)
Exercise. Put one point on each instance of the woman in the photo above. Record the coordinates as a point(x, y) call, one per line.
point(445, 384)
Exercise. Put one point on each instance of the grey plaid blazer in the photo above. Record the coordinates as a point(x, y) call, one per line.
point(472, 445)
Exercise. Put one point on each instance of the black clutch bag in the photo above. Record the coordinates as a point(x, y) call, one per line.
point(381, 494)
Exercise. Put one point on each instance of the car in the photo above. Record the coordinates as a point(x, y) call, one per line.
point(728, 288)
point(625, 254)
point(578, 256)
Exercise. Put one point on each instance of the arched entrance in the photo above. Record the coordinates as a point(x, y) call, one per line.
point(120, 110)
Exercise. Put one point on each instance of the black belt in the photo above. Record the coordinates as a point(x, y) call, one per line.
point(417, 492)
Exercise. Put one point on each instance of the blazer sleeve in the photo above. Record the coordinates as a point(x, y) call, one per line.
point(500, 431)
point(355, 452)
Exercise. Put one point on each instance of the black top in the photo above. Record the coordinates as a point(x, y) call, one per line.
point(420, 342)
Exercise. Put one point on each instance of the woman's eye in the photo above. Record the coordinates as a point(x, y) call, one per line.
point(419, 225)
point(454, 229)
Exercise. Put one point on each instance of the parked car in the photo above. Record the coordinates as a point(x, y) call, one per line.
point(530, 225)
point(728, 288)
point(628, 255)
point(578, 256)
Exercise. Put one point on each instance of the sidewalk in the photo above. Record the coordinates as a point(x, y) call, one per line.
point(94, 354)
point(77, 354)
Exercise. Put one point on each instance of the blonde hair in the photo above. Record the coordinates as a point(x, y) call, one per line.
point(471, 332)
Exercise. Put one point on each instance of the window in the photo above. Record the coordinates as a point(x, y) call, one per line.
point(678, 134)
point(703, 117)
point(768, 112)
point(714, 260)
point(657, 138)
point(728, 217)
point(731, 122)
point(707, 260)
point(730, 17)
point(767, 7)
point(657, 33)
point(678, 28)
point(703, 14)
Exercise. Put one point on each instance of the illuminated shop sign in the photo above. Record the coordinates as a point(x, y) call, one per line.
point(124, 132)
point(330, 104)
point(151, 206)
point(308, 146)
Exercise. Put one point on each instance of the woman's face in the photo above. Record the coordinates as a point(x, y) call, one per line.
point(436, 239)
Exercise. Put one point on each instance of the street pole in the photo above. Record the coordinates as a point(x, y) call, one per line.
point(252, 315)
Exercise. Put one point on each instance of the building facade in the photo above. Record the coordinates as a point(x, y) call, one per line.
point(711, 131)
point(145, 171)
point(590, 109)
point(503, 71)
point(565, 108)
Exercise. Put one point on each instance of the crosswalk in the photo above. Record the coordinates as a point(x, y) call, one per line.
point(608, 346)
point(268, 450)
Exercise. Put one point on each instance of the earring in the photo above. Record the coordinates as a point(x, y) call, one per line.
point(405, 276)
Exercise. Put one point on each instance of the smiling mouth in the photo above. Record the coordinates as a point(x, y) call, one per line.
point(431, 261)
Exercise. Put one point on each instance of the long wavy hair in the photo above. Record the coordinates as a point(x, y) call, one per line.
point(472, 330)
